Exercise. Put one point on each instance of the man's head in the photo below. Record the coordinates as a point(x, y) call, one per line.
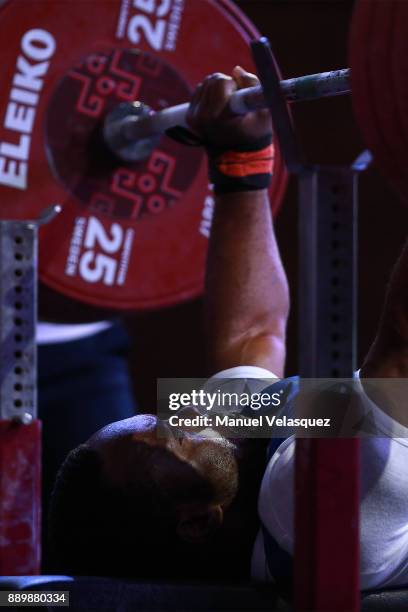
point(142, 500)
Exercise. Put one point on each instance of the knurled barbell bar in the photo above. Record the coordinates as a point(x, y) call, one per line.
point(132, 130)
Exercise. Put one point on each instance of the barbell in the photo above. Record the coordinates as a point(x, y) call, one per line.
point(131, 130)
point(134, 229)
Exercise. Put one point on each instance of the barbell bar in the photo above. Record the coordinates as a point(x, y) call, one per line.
point(132, 131)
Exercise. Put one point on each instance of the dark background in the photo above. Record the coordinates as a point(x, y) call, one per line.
point(307, 37)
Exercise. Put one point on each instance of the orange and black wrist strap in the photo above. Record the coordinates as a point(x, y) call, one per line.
point(247, 168)
point(243, 169)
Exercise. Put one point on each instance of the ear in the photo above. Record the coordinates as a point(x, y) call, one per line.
point(196, 524)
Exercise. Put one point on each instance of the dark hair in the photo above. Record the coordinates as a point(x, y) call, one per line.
point(99, 529)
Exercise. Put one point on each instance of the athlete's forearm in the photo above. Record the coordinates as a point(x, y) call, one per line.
point(247, 300)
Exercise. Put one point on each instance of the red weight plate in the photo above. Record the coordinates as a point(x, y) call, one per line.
point(400, 86)
point(375, 85)
point(361, 71)
point(131, 235)
point(385, 89)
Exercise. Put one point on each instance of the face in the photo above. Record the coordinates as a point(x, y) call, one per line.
point(192, 469)
point(188, 485)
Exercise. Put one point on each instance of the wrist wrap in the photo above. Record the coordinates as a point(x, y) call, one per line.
point(248, 168)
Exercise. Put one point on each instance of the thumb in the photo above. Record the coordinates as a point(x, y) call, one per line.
point(244, 79)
